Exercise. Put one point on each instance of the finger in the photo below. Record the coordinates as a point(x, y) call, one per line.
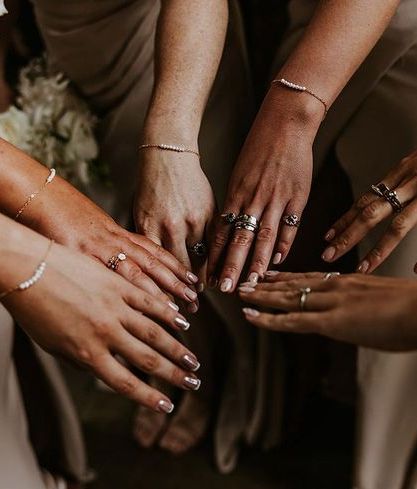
point(152, 363)
point(264, 243)
point(317, 284)
point(287, 234)
point(276, 276)
point(118, 378)
point(400, 226)
point(166, 258)
point(297, 322)
point(198, 262)
point(158, 339)
point(287, 300)
point(153, 308)
point(219, 235)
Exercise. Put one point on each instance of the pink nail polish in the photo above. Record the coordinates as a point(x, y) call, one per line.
point(192, 278)
point(253, 277)
point(190, 294)
point(277, 258)
point(246, 290)
point(165, 406)
point(182, 323)
point(330, 235)
point(363, 267)
point(329, 253)
point(226, 285)
point(251, 312)
point(192, 383)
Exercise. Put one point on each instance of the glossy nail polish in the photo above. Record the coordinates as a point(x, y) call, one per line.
point(253, 277)
point(193, 279)
point(329, 253)
point(226, 285)
point(251, 312)
point(272, 273)
point(174, 306)
point(182, 323)
point(276, 260)
point(192, 383)
point(165, 406)
point(363, 267)
point(246, 290)
point(330, 235)
point(191, 363)
point(200, 288)
point(190, 294)
point(192, 308)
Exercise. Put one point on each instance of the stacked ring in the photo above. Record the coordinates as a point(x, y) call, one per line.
point(248, 222)
point(199, 249)
point(114, 262)
point(291, 220)
point(389, 195)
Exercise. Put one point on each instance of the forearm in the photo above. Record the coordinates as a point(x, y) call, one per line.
point(189, 45)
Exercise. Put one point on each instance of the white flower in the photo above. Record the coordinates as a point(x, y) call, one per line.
point(14, 127)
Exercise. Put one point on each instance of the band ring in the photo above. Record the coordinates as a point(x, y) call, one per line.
point(229, 217)
point(292, 220)
point(248, 222)
point(330, 275)
point(198, 249)
point(304, 292)
point(114, 262)
point(382, 190)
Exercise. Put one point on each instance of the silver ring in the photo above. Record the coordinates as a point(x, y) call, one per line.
point(229, 217)
point(199, 249)
point(247, 226)
point(292, 220)
point(246, 221)
point(389, 195)
point(114, 262)
point(330, 275)
point(305, 291)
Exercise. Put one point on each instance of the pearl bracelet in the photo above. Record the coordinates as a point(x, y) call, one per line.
point(301, 88)
point(37, 275)
point(51, 176)
point(169, 147)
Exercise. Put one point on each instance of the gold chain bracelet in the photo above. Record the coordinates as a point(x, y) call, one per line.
point(170, 147)
point(51, 176)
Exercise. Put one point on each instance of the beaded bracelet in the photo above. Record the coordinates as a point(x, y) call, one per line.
point(37, 275)
point(301, 88)
point(170, 147)
point(51, 176)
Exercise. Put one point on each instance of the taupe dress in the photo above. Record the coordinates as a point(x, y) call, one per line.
point(106, 48)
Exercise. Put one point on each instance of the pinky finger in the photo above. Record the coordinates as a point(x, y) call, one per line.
point(296, 322)
point(121, 380)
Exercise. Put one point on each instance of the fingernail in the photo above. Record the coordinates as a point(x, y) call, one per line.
point(272, 273)
point(190, 294)
point(330, 235)
point(174, 306)
point(248, 284)
point(251, 312)
point(182, 323)
point(246, 290)
point(277, 258)
point(363, 267)
point(226, 285)
point(329, 253)
point(212, 283)
point(200, 288)
point(165, 406)
point(190, 362)
point(192, 278)
point(192, 308)
point(253, 277)
point(192, 383)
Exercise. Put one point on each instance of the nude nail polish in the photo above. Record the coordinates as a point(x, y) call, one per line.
point(253, 277)
point(190, 362)
point(190, 294)
point(174, 306)
point(329, 253)
point(165, 406)
point(200, 288)
point(251, 312)
point(246, 290)
point(330, 235)
point(277, 258)
point(182, 323)
point(192, 308)
point(226, 285)
point(363, 267)
point(192, 383)
point(192, 278)
point(272, 273)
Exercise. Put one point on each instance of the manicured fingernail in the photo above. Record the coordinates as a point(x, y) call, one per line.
point(192, 308)
point(276, 260)
point(190, 362)
point(165, 406)
point(182, 323)
point(329, 253)
point(363, 267)
point(190, 294)
point(253, 277)
point(251, 312)
point(174, 306)
point(200, 288)
point(330, 235)
point(192, 383)
point(248, 284)
point(272, 273)
point(246, 290)
point(192, 278)
point(226, 285)
point(212, 282)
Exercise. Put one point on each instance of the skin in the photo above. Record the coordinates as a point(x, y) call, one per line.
point(374, 312)
point(272, 176)
point(369, 211)
point(87, 314)
point(6, 27)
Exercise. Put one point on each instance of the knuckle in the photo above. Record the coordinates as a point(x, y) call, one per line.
point(243, 240)
point(343, 241)
point(376, 254)
point(220, 239)
point(266, 233)
point(152, 334)
point(398, 226)
point(135, 274)
point(85, 356)
point(149, 362)
point(230, 268)
point(292, 320)
point(370, 212)
point(260, 262)
point(151, 261)
point(126, 386)
point(363, 201)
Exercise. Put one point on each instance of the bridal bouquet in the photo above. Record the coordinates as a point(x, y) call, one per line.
point(52, 124)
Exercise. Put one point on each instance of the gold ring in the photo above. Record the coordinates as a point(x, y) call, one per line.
point(114, 262)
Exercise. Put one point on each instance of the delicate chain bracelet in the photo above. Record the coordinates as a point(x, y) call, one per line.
point(301, 88)
point(37, 275)
point(169, 147)
point(51, 176)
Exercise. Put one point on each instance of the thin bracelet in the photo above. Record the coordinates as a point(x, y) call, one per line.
point(51, 176)
point(170, 147)
point(300, 88)
point(37, 275)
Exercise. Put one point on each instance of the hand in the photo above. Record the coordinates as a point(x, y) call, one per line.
point(272, 178)
point(174, 204)
point(369, 211)
point(375, 312)
point(87, 314)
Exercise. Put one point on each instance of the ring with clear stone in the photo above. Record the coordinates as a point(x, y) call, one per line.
point(114, 262)
point(291, 220)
